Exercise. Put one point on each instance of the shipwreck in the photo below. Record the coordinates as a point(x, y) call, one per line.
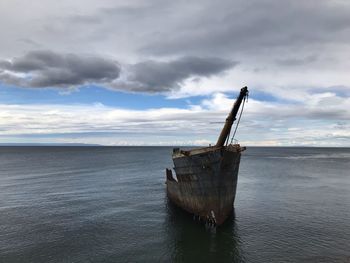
point(206, 178)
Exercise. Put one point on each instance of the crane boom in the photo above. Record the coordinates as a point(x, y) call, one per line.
point(231, 117)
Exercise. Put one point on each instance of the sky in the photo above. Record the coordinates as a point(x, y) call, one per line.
point(161, 72)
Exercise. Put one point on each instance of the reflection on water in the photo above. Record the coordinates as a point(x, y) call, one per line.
point(191, 241)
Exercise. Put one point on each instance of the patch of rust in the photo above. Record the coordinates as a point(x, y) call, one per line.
point(206, 178)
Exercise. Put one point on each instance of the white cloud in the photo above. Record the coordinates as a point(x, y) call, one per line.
point(314, 123)
point(294, 51)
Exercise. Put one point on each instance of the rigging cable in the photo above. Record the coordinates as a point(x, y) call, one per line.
point(228, 137)
point(240, 115)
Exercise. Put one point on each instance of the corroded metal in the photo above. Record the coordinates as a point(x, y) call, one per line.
point(231, 117)
point(206, 178)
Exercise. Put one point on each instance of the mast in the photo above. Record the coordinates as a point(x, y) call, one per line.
point(231, 117)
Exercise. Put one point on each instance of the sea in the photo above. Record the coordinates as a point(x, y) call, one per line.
point(109, 204)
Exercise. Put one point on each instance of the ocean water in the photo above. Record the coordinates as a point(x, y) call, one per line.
point(108, 204)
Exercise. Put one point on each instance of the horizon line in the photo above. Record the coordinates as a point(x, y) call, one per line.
point(133, 145)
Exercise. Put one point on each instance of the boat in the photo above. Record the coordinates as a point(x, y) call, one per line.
point(205, 179)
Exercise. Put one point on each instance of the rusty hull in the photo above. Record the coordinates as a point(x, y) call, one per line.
point(206, 181)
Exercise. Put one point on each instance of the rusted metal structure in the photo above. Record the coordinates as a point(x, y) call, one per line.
point(206, 178)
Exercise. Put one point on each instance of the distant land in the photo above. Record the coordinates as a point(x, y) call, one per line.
point(181, 146)
point(48, 144)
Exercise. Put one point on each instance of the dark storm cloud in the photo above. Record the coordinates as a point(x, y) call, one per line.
point(50, 69)
point(156, 76)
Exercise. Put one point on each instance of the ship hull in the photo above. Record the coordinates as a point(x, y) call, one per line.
point(206, 181)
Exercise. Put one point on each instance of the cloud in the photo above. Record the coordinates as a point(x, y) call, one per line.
point(160, 76)
point(254, 26)
point(41, 69)
point(296, 61)
point(293, 51)
point(261, 124)
point(280, 46)
point(50, 69)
